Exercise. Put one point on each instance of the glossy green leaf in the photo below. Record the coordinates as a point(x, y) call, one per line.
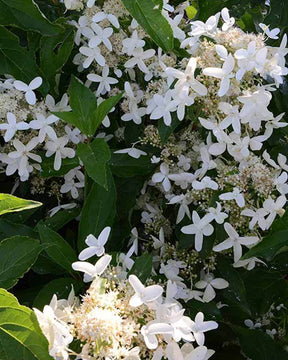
point(10, 203)
point(25, 14)
point(20, 335)
point(61, 218)
point(95, 156)
point(149, 16)
point(105, 107)
point(98, 210)
point(56, 247)
point(9, 229)
point(17, 255)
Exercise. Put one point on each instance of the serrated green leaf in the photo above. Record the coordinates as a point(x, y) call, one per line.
point(10, 203)
point(149, 16)
point(98, 210)
point(56, 247)
point(95, 157)
point(26, 15)
point(20, 334)
point(17, 255)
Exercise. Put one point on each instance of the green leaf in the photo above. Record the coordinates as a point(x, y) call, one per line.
point(60, 287)
point(98, 210)
point(54, 53)
point(9, 229)
point(10, 203)
point(61, 218)
point(56, 247)
point(191, 12)
point(259, 346)
point(84, 105)
point(20, 334)
point(17, 255)
point(47, 166)
point(235, 294)
point(14, 59)
point(278, 15)
point(125, 166)
point(26, 15)
point(142, 267)
point(153, 22)
point(95, 157)
point(105, 107)
point(165, 131)
point(269, 246)
point(264, 287)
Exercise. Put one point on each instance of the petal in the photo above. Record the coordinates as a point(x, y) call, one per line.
point(35, 83)
point(30, 97)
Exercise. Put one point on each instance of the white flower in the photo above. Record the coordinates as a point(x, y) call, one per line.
point(225, 74)
point(164, 105)
point(95, 245)
point(135, 153)
point(200, 326)
point(152, 329)
point(12, 126)
point(219, 216)
point(100, 16)
point(171, 269)
point(22, 154)
point(73, 4)
point(272, 34)
point(228, 21)
point(235, 241)
point(174, 22)
point(234, 195)
point(208, 282)
point(74, 135)
point(56, 331)
point(130, 44)
point(186, 80)
point(92, 54)
point(143, 295)
point(62, 105)
point(163, 176)
point(70, 183)
point(125, 259)
point(232, 118)
point(208, 28)
point(254, 110)
point(200, 228)
point(43, 125)
point(274, 208)
point(184, 201)
point(281, 183)
point(187, 352)
point(159, 243)
point(58, 148)
point(205, 183)
point(155, 159)
point(55, 210)
point(104, 81)
point(248, 264)
point(246, 59)
point(139, 55)
point(257, 216)
point(102, 36)
point(28, 89)
point(92, 271)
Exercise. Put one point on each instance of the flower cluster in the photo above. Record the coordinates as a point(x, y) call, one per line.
point(120, 317)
